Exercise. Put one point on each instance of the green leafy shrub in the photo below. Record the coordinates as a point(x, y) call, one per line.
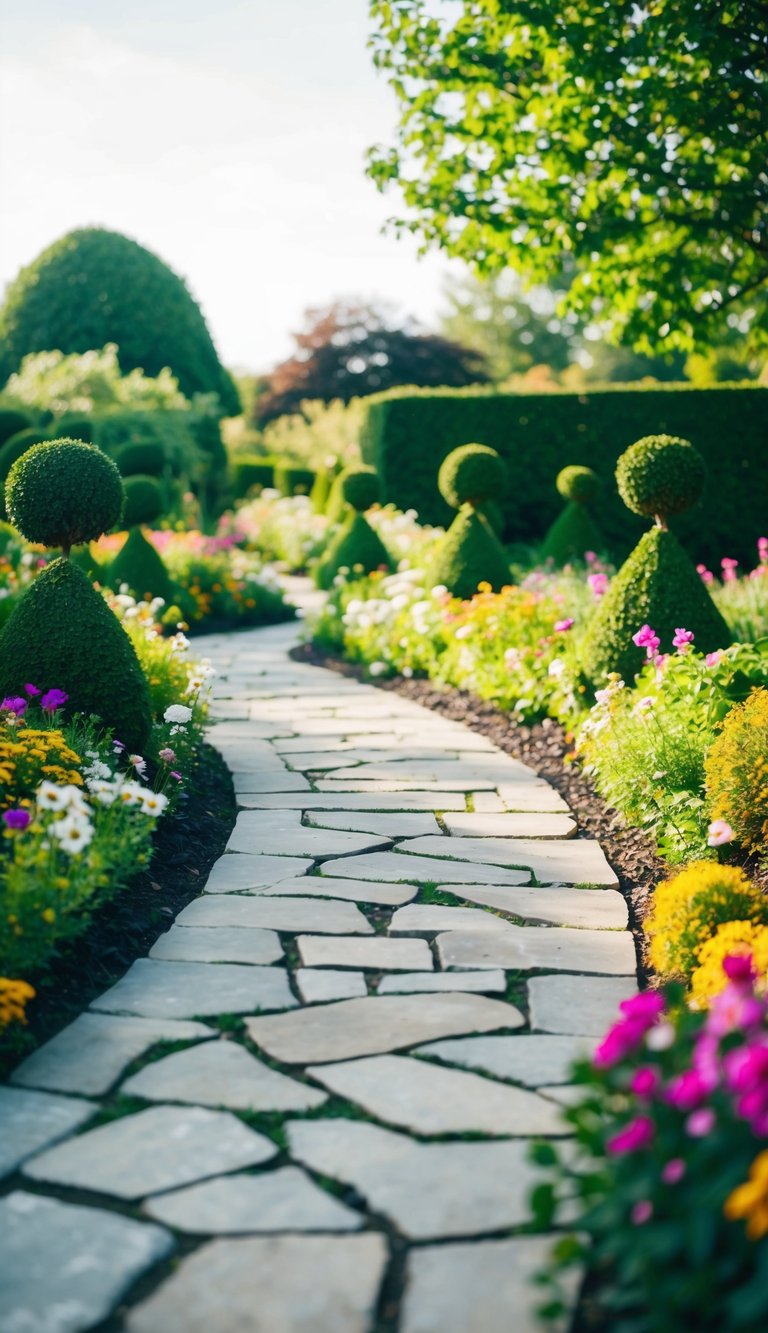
point(472, 474)
point(142, 568)
point(125, 295)
point(574, 531)
point(251, 470)
point(321, 489)
point(578, 483)
point(360, 488)
point(737, 773)
point(169, 431)
point(75, 426)
point(469, 554)
point(355, 547)
point(143, 501)
point(336, 507)
point(145, 457)
point(12, 421)
point(17, 445)
point(64, 493)
point(291, 479)
point(660, 475)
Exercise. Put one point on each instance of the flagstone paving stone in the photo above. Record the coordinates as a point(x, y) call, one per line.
point(282, 1200)
point(398, 868)
point(317, 985)
point(220, 1073)
point(606, 951)
point(558, 905)
point(292, 915)
point(375, 800)
point(577, 861)
point(389, 826)
point(65, 1267)
point(152, 988)
point(31, 1120)
point(379, 954)
point(581, 1005)
point(487, 770)
point(251, 835)
point(352, 890)
point(528, 824)
point(483, 983)
point(239, 873)
point(536, 796)
point(206, 944)
point(532, 1059)
point(157, 1149)
point(429, 920)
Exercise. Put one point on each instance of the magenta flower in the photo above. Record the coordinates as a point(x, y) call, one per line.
point(32, 691)
point(646, 1008)
point(735, 1008)
point(642, 1212)
point(705, 574)
point(688, 1090)
point(701, 1122)
point(720, 832)
point(636, 1135)
point(762, 548)
point(647, 639)
point(645, 1081)
point(682, 640)
point(562, 626)
point(738, 967)
point(673, 1171)
point(713, 659)
point(52, 700)
point(598, 584)
point(16, 819)
point(14, 704)
point(729, 567)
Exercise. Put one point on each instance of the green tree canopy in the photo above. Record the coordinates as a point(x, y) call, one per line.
point(93, 287)
point(626, 138)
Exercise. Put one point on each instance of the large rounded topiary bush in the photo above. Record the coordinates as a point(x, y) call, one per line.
point(574, 531)
point(93, 287)
point(657, 585)
point(143, 501)
point(138, 565)
point(62, 633)
point(470, 478)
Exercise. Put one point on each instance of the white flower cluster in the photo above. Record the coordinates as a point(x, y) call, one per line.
point(72, 826)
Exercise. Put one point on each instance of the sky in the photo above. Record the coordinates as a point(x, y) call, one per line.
point(228, 136)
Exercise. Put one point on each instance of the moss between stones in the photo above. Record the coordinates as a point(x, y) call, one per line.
point(62, 634)
point(138, 564)
point(355, 544)
point(469, 554)
point(657, 586)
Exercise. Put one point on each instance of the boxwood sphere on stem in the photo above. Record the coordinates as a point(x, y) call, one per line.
point(471, 474)
point(64, 493)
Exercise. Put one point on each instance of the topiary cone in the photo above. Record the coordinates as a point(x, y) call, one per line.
point(62, 634)
point(138, 564)
point(573, 532)
point(658, 586)
point(355, 543)
point(469, 554)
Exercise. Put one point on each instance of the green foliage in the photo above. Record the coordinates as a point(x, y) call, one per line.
point(93, 383)
point(500, 104)
point(12, 421)
point(62, 633)
point(407, 434)
point(321, 489)
point(83, 557)
point(469, 554)
point(657, 586)
point(471, 474)
point(573, 532)
point(355, 547)
point(145, 456)
point(170, 430)
point(74, 426)
point(12, 450)
point(63, 493)
point(293, 480)
point(576, 483)
point(360, 488)
point(144, 500)
point(318, 434)
point(138, 564)
point(250, 470)
point(336, 507)
point(660, 475)
point(124, 295)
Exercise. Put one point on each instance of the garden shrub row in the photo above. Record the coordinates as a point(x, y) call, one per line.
point(249, 470)
point(407, 433)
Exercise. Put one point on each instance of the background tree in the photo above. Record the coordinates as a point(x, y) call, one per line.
point(627, 138)
point(350, 349)
point(93, 287)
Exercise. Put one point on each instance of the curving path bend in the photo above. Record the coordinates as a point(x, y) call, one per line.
point(309, 1109)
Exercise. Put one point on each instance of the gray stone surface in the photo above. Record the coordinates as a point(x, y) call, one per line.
point(465, 774)
point(477, 1287)
point(578, 1005)
point(536, 795)
point(524, 824)
point(220, 1073)
point(395, 825)
point(285, 1284)
point(606, 951)
point(152, 988)
point(268, 780)
point(376, 1025)
point(207, 944)
point(532, 1059)
point(378, 954)
point(399, 868)
point(90, 1054)
point(428, 1190)
point(292, 915)
point(31, 1120)
point(429, 919)
point(351, 890)
point(318, 985)
point(429, 1099)
point(381, 801)
point(485, 802)
point(600, 909)
point(158, 1149)
point(238, 872)
point(66, 1267)
point(283, 1200)
point(299, 841)
point(412, 982)
point(572, 861)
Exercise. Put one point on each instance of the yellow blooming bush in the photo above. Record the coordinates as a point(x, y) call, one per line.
point(734, 937)
point(688, 909)
point(750, 1200)
point(14, 997)
point(30, 755)
point(737, 772)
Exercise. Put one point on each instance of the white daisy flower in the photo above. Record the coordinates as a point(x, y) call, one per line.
point(154, 804)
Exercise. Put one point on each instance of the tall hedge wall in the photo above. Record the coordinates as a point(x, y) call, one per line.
point(408, 432)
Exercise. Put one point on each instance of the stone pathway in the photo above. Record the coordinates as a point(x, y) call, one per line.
point(309, 1110)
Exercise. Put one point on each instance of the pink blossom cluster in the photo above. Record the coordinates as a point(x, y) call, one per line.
point(648, 639)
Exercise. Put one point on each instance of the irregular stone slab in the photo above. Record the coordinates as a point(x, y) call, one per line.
point(249, 730)
point(534, 1060)
point(488, 802)
point(158, 1149)
point(578, 1005)
point(353, 890)
point(66, 1267)
point(378, 954)
point(318, 985)
point(204, 944)
point(609, 951)
point(377, 1024)
point(90, 1054)
point(462, 782)
point(291, 915)
point(483, 1285)
point(277, 1284)
point(537, 796)
point(271, 781)
point(32, 1120)
point(429, 919)
point(479, 771)
point(389, 826)
point(565, 1096)
point(428, 1190)
point(320, 800)
point(283, 1200)
point(523, 825)
point(309, 841)
point(220, 1073)
point(428, 1099)
point(249, 755)
point(411, 982)
point(155, 989)
point(601, 909)
point(398, 868)
point(242, 873)
point(581, 861)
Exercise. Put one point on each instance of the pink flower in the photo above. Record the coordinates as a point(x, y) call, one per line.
point(762, 548)
point(647, 639)
point(642, 1212)
point(747, 1067)
point(598, 584)
point(590, 557)
point(700, 1123)
point(647, 1007)
point(705, 574)
point(673, 1171)
point(14, 704)
point(729, 567)
point(52, 700)
point(645, 1081)
point(16, 819)
point(177, 776)
point(139, 764)
point(683, 639)
point(735, 1008)
point(167, 755)
point(713, 659)
point(688, 1090)
point(636, 1135)
point(562, 626)
point(738, 967)
point(719, 832)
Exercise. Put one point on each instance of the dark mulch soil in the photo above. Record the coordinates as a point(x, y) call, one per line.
point(545, 749)
point(185, 848)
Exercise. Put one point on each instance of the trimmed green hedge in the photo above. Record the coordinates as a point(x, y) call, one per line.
point(249, 470)
point(408, 432)
point(292, 479)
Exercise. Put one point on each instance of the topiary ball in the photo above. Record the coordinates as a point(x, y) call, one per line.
point(660, 475)
point(360, 488)
point(144, 501)
point(145, 457)
point(471, 474)
point(579, 484)
point(64, 493)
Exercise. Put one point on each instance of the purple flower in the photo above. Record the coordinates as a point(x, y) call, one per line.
point(14, 704)
point(16, 819)
point(673, 1172)
point(642, 1212)
point(52, 700)
point(32, 691)
point(562, 626)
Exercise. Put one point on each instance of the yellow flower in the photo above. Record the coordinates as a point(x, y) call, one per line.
point(688, 909)
point(49, 915)
point(750, 1200)
point(733, 937)
point(14, 998)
